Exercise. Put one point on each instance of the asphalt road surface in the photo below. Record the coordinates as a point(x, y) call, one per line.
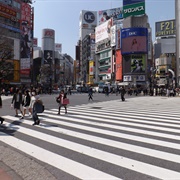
point(106, 139)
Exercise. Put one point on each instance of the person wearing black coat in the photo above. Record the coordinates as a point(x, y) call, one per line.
point(26, 103)
point(1, 119)
point(17, 101)
point(123, 92)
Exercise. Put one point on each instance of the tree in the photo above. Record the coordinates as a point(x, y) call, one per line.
point(6, 54)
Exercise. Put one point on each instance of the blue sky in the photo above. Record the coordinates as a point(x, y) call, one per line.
point(63, 17)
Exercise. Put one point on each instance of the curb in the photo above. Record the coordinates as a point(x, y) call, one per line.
point(16, 165)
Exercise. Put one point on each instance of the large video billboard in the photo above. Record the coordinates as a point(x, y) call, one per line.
point(134, 40)
point(138, 63)
point(48, 56)
point(134, 9)
point(115, 13)
point(165, 28)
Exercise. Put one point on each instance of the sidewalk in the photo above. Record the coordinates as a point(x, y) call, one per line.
point(6, 173)
point(16, 165)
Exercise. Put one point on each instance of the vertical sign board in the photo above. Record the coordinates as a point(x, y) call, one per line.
point(26, 40)
point(118, 65)
point(113, 35)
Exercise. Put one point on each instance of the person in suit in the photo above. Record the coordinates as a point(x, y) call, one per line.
point(1, 119)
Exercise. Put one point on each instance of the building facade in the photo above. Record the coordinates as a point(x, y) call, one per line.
point(16, 24)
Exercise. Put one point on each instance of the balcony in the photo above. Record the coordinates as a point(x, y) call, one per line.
point(104, 59)
point(105, 66)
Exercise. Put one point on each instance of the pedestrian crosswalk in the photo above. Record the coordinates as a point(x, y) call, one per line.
point(137, 139)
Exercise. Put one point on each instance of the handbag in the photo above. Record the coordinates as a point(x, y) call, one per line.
point(57, 100)
point(65, 101)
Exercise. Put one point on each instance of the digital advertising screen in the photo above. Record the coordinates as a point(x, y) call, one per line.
point(134, 40)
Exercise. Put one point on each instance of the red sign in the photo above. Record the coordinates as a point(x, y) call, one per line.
point(118, 66)
point(25, 71)
point(26, 12)
point(49, 33)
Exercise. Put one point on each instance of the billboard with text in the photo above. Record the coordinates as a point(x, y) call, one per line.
point(115, 13)
point(165, 28)
point(134, 9)
point(103, 31)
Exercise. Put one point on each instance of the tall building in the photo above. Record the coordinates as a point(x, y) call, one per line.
point(16, 23)
point(87, 24)
point(177, 16)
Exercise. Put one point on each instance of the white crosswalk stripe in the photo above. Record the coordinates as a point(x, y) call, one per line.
point(137, 139)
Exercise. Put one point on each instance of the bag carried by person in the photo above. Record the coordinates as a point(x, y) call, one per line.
point(39, 107)
point(58, 100)
point(65, 101)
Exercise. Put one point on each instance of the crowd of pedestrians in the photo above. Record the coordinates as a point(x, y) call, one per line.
point(25, 101)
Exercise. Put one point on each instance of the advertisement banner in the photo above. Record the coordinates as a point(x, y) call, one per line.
point(103, 31)
point(91, 67)
point(118, 39)
point(118, 66)
point(128, 2)
point(115, 13)
point(134, 9)
point(165, 28)
point(113, 35)
point(26, 39)
point(48, 56)
point(138, 63)
point(25, 67)
point(134, 40)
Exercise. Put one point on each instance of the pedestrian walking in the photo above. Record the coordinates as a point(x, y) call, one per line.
point(123, 92)
point(26, 103)
point(90, 94)
point(17, 102)
point(1, 119)
point(61, 101)
point(38, 107)
point(32, 101)
point(69, 91)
